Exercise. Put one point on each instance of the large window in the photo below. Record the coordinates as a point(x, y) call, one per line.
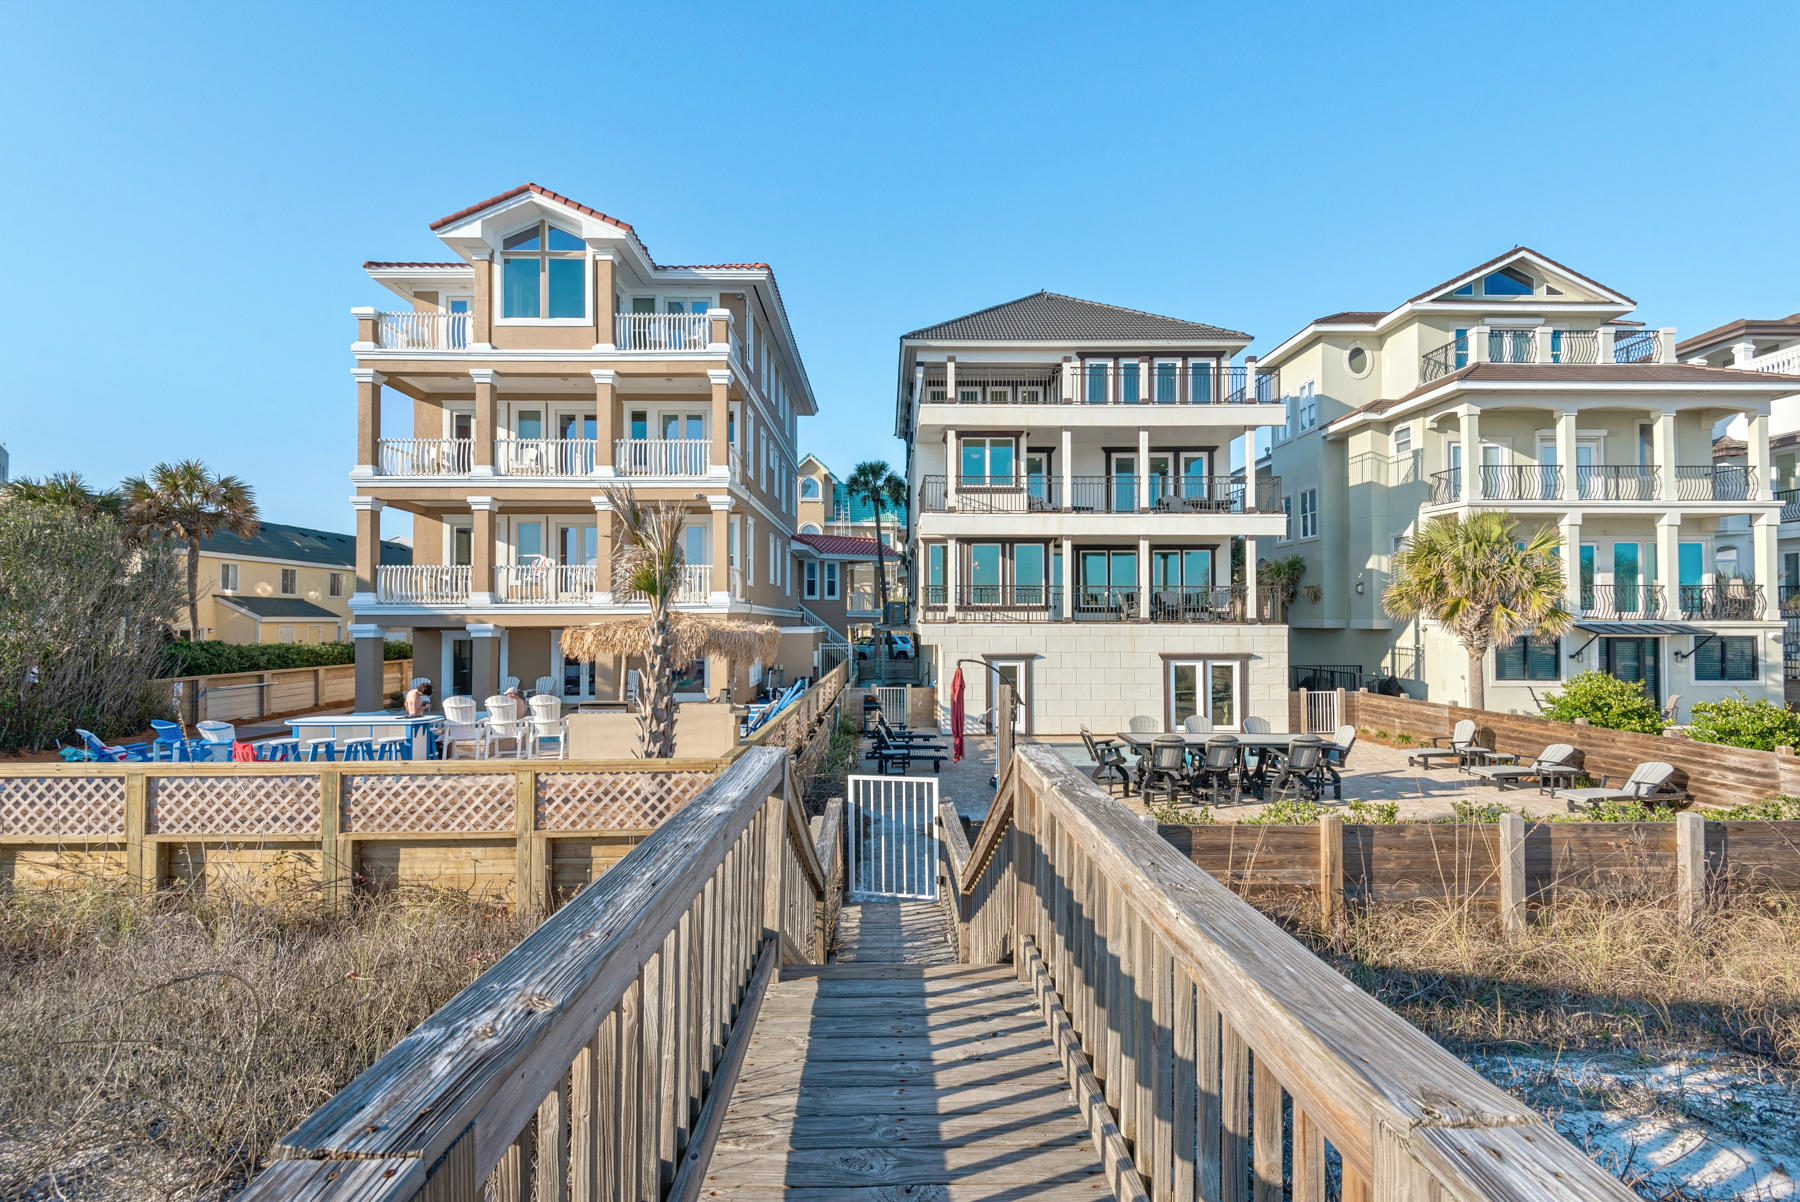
point(1129, 384)
point(934, 574)
point(809, 488)
point(1309, 513)
point(832, 579)
point(1166, 380)
point(228, 578)
point(1028, 574)
point(543, 273)
point(984, 574)
point(810, 588)
point(1096, 382)
point(1205, 687)
point(1726, 659)
point(986, 461)
point(1526, 658)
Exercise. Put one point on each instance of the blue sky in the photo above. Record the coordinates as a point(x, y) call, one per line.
point(192, 189)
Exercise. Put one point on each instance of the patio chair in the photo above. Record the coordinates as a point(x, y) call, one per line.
point(171, 740)
point(1460, 739)
point(1197, 724)
point(546, 730)
point(504, 722)
point(110, 752)
point(1648, 782)
point(1258, 726)
point(1301, 771)
point(461, 728)
point(902, 736)
point(1345, 738)
point(1144, 724)
point(544, 685)
point(887, 753)
point(1167, 768)
point(1220, 771)
point(215, 740)
point(1557, 762)
point(1108, 759)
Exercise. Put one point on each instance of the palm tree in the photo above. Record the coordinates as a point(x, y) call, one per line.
point(648, 564)
point(1476, 576)
point(1281, 577)
point(186, 501)
point(66, 489)
point(873, 481)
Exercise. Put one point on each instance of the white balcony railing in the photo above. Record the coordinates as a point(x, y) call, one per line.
point(422, 584)
point(1785, 361)
point(662, 331)
point(695, 587)
point(422, 331)
point(662, 456)
point(545, 583)
point(545, 456)
point(424, 456)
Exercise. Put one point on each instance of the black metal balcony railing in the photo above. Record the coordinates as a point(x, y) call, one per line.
point(1519, 482)
point(1099, 494)
point(1622, 602)
point(1790, 504)
point(1108, 383)
point(1712, 483)
point(1618, 482)
point(1098, 603)
point(1446, 487)
point(1440, 361)
point(1736, 601)
point(1209, 603)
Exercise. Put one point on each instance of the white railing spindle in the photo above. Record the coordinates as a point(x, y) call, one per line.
point(662, 332)
point(425, 456)
point(662, 456)
point(423, 331)
point(422, 584)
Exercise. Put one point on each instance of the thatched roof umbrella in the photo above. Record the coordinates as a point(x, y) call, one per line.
point(696, 637)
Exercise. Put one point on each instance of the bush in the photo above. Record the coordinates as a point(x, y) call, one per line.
point(1619, 811)
point(1606, 701)
point(1782, 807)
point(211, 659)
point(1740, 722)
point(1371, 813)
point(1289, 811)
point(1470, 811)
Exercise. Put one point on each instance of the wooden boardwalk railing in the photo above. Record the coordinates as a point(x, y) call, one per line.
point(1218, 1043)
point(589, 1060)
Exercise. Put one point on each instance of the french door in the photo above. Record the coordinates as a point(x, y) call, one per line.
point(1211, 688)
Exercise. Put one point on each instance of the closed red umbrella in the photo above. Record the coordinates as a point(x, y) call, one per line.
point(956, 717)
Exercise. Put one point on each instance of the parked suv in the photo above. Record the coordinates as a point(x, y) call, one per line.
point(899, 646)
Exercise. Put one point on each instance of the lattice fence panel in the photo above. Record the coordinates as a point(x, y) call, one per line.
point(234, 805)
point(62, 805)
point(429, 803)
point(589, 801)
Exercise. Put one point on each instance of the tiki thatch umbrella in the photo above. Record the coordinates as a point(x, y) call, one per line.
point(696, 637)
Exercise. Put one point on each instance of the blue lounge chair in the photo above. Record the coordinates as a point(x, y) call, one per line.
point(97, 749)
point(760, 714)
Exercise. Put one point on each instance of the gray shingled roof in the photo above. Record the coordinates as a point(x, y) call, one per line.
point(1053, 317)
point(300, 544)
point(277, 607)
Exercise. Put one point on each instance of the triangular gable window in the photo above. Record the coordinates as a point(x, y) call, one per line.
point(1508, 281)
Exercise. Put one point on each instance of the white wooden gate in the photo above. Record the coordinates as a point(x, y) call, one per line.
point(893, 704)
point(1321, 712)
point(893, 836)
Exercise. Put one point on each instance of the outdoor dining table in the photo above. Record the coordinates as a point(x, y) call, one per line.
point(340, 728)
point(1259, 743)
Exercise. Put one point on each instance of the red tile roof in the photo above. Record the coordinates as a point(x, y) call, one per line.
point(841, 544)
point(520, 191)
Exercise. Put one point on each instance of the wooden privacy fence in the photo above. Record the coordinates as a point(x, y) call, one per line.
point(804, 728)
point(1714, 775)
point(593, 1056)
point(241, 696)
point(483, 826)
point(1514, 865)
point(1205, 1044)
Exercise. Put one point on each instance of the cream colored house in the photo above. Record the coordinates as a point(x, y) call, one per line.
point(547, 358)
point(284, 584)
point(1075, 518)
point(826, 507)
point(1522, 385)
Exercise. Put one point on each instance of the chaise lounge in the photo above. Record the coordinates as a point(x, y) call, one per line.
point(1648, 782)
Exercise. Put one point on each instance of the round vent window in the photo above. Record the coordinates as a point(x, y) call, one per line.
point(1357, 360)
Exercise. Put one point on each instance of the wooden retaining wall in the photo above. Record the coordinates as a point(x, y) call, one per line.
point(227, 697)
point(1463, 862)
point(1714, 775)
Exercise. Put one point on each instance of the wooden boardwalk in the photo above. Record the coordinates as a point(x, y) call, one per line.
point(896, 1073)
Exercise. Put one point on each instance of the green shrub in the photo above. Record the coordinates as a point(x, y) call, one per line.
point(210, 659)
point(1782, 807)
point(1606, 701)
point(1741, 722)
point(1469, 811)
point(1403, 740)
point(1289, 811)
point(1371, 813)
point(1619, 811)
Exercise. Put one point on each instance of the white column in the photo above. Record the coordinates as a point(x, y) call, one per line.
point(1250, 612)
point(1768, 575)
point(1478, 344)
point(1068, 472)
point(1070, 387)
point(1250, 495)
point(1068, 577)
point(1143, 605)
point(1143, 489)
point(1565, 454)
point(1760, 466)
point(1543, 344)
point(1668, 563)
point(951, 468)
point(952, 574)
point(1662, 446)
point(1605, 351)
point(1470, 417)
point(1665, 347)
point(950, 379)
point(1742, 353)
point(1570, 529)
point(919, 385)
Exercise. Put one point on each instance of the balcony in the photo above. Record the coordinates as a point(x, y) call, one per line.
point(422, 584)
point(1530, 346)
point(1738, 601)
point(1594, 482)
point(1103, 384)
point(1044, 603)
point(425, 456)
point(1790, 504)
point(662, 332)
point(544, 456)
point(662, 456)
point(545, 583)
point(422, 331)
point(1098, 494)
point(1622, 602)
point(695, 587)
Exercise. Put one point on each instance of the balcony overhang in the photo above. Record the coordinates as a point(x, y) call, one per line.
point(1058, 524)
point(948, 416)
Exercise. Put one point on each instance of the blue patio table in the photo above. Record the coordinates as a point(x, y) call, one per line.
point(340, 728)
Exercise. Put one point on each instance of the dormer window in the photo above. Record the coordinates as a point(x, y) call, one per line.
point(809, 489)
point(543, 273)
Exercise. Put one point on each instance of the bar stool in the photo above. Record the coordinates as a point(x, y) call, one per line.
point(321, 749)
point(284, 750)
point(391, 749)
point(359, 749)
